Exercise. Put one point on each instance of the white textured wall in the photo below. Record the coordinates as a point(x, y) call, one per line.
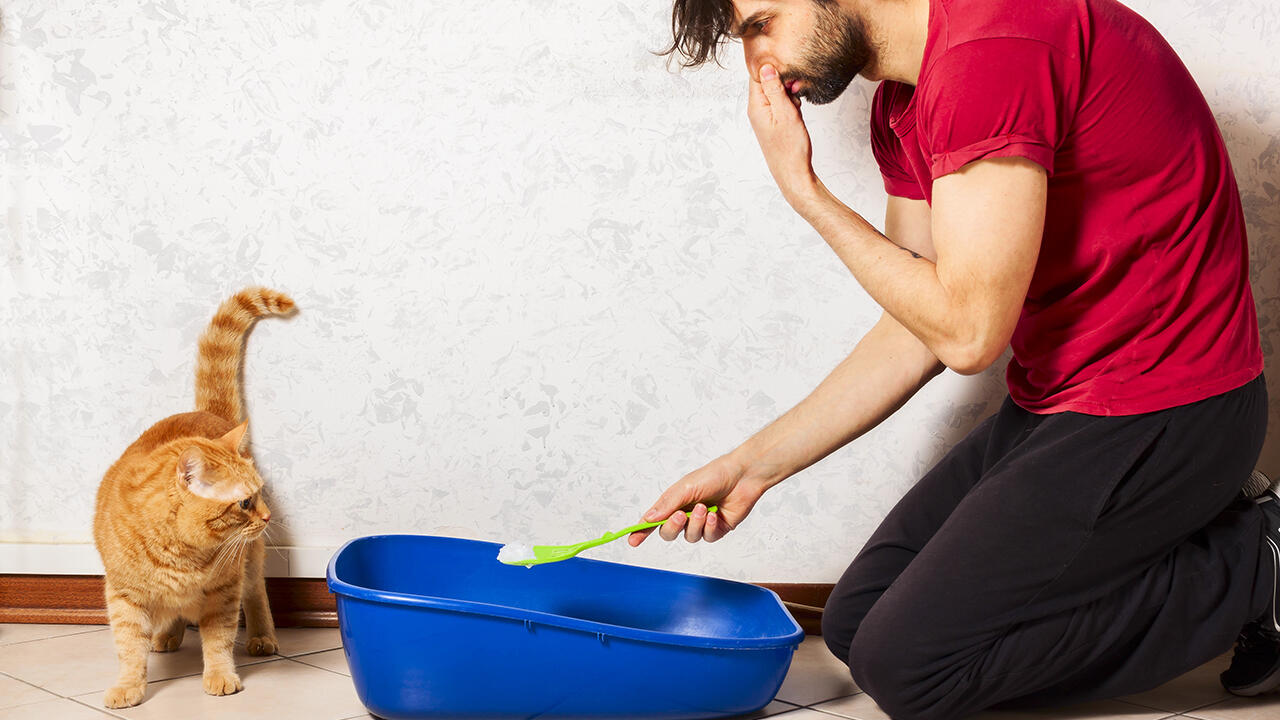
point(540, 277)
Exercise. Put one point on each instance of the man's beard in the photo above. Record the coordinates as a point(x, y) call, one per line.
point(836, 52)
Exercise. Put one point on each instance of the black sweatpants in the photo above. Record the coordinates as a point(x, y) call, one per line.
point(1052, 559)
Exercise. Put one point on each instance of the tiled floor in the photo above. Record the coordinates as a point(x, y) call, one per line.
point(59, 672)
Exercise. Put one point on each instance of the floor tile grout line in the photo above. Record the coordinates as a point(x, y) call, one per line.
point(1207, 705)
point(258, 660)
point(828, 712)
point(311, 652)
point(28, 682)
point(97, 628)
point(317, 667)
point(1152, 708)
point(819, 702)
point(108, 713)
point(1176, 713)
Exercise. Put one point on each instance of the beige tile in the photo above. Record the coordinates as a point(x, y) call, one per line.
point(277, 689)
point(772, 709)
point(15, 692)
point(803, 714)
point(815, 675)
point(1263, 707)
point(20, 632)
point(75, 664)
point(332, 660)
point(859, 706)
point(1195, 689)
point(299, 641)
point(57, 709)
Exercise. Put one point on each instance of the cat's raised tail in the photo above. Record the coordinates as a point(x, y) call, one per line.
point(221, 357)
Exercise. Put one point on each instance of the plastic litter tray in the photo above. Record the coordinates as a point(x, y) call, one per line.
point(436, 627)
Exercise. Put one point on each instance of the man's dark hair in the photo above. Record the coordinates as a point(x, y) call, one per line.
point(698, 28)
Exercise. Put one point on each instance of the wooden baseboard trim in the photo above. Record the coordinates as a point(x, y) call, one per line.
point(295, 602)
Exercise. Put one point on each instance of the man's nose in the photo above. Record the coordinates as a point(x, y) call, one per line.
point(757, 55)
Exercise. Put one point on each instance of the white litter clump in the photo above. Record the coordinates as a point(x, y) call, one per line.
point(515, 553)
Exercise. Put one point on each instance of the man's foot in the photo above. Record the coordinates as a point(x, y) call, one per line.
point(1256, 486)
point(1255, 668)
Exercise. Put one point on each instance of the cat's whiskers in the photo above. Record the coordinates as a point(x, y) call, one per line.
point(237, 556)
point(234, 549)
point(220, 548)
point(218, 560)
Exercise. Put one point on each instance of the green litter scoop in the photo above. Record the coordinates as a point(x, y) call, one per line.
point(539, 554)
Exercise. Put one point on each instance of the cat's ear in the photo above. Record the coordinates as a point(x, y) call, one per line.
point(193, 474)
point(236, 438)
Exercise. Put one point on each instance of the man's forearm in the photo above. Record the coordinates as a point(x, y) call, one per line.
point(905, 284)
point(886, 368)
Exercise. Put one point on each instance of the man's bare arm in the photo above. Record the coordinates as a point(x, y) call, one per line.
point(884, 370)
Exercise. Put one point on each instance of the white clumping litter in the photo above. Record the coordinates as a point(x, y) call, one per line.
point(514, 553)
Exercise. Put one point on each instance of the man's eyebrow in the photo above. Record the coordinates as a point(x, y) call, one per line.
point(754, 18)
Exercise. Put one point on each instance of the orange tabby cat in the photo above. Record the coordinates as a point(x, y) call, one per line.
point(180, 517)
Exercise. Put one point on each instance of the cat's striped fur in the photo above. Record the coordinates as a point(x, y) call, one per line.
point(180, 516)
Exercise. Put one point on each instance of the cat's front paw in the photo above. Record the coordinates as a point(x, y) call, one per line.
point(262, 645)
point(164, 642)
point(222, 683)
point(123, 696)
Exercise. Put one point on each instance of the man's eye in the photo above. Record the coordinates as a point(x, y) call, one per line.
point(246, 503)
point(760, 26)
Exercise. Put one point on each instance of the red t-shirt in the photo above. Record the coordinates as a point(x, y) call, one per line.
point(1140, 299)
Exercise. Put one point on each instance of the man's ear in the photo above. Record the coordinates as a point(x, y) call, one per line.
point(237, 438)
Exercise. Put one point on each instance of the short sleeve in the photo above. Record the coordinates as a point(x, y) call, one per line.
point(994, 97)
point(887, 147)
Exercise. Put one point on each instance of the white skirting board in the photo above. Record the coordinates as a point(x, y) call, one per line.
point(82, 559)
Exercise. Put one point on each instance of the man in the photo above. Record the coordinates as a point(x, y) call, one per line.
point(1058, 184)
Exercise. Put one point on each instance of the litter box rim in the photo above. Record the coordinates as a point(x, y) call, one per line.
point(341, 587)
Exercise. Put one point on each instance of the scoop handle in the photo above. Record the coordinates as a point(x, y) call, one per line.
point(646, 526)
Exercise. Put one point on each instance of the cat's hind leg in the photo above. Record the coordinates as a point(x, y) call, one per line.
point(257, 613)
point(219, 621)
point(131, 628)
point(168, 637)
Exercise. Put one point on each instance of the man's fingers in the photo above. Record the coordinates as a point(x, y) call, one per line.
point(715, 528)
point(674, 498)
point(693, 529)
point(637, 537)
point(674, 526)
point(772, 84)
point(756, 95)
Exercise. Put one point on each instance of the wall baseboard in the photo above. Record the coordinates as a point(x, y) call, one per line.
point(82, 559)
point(295, 601)
point(78, 599)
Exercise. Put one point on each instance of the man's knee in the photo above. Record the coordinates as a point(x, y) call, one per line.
point(837, 632)
point(894, 674)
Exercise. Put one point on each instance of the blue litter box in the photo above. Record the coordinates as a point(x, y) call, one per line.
point(436, 627)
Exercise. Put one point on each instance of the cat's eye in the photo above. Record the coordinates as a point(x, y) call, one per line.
point(246, 503)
